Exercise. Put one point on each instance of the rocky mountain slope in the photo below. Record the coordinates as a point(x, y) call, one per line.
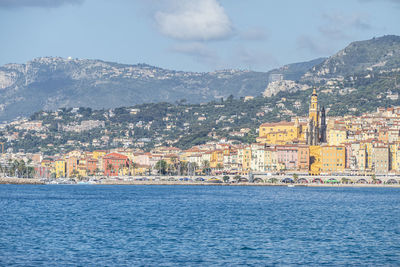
point(49, 83)
point(377, 54)
point(351, 69)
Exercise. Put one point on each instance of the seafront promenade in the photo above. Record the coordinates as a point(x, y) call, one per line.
point(170, 183)
point(302, 181)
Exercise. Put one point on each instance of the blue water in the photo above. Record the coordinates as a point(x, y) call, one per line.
point(198, 226)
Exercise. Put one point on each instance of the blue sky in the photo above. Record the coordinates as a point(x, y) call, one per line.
point(191, 35)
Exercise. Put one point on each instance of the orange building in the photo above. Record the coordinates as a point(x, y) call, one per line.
point(72, 165)
point(303, 158)
point(115, 163)
point(91, 166)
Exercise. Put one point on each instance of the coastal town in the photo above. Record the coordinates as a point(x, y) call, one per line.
point(366, 145)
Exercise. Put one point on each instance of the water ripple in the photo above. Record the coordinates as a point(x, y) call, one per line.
point(198, 226)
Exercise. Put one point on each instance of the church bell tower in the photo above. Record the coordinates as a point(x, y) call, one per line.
point(314, 111)
point(313, 128)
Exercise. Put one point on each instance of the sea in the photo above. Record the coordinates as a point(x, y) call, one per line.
point(96, 225)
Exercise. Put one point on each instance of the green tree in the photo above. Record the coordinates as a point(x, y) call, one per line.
point(206, 167)
point(110, 168)
point(75, 174)
point(295, 177)
point(132, 167)
point(273, 180)
point(220, 166)
point(225, 178)
point(373, 177)
point(161, 167)
point(237, 178)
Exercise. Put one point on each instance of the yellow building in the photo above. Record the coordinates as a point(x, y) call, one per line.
point(60, 168)
point(280, 133)
point(124, 171)
point(271, 159)
point(141, 169)
point(217, 159)
point(82, 172)
point(315, 160)
point(333, 159)
point(99, 154)
point(337, 137)
point(244, 157)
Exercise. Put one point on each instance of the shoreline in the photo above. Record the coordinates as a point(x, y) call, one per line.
point(21, 181)
point(30, 181)
point(244, 184)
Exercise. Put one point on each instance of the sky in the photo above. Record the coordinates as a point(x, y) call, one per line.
point(191, 35)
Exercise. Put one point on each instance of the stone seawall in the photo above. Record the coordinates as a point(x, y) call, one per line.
point(19, 181)
point(114, 182)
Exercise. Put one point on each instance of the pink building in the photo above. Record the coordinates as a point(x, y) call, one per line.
point(288, 155)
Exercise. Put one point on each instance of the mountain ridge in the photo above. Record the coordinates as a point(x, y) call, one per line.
point(49, 83)
point(54, 82)
point(378, 53)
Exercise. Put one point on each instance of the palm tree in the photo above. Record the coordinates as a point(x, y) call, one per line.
point(21, 168)
point(373, 178)
point(206, 164)
point(194, 167)
point(171, 168)
point(161, 167)
point(295, 177)
point(120, 168)
point(220, 166)
point(184, 167)
point(133, 167)
point(206, 167)
point(110, 167)
point(30, 172)
point(225, 178)
point(9, 167)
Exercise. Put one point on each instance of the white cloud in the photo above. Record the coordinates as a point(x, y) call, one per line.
point(194, 20)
